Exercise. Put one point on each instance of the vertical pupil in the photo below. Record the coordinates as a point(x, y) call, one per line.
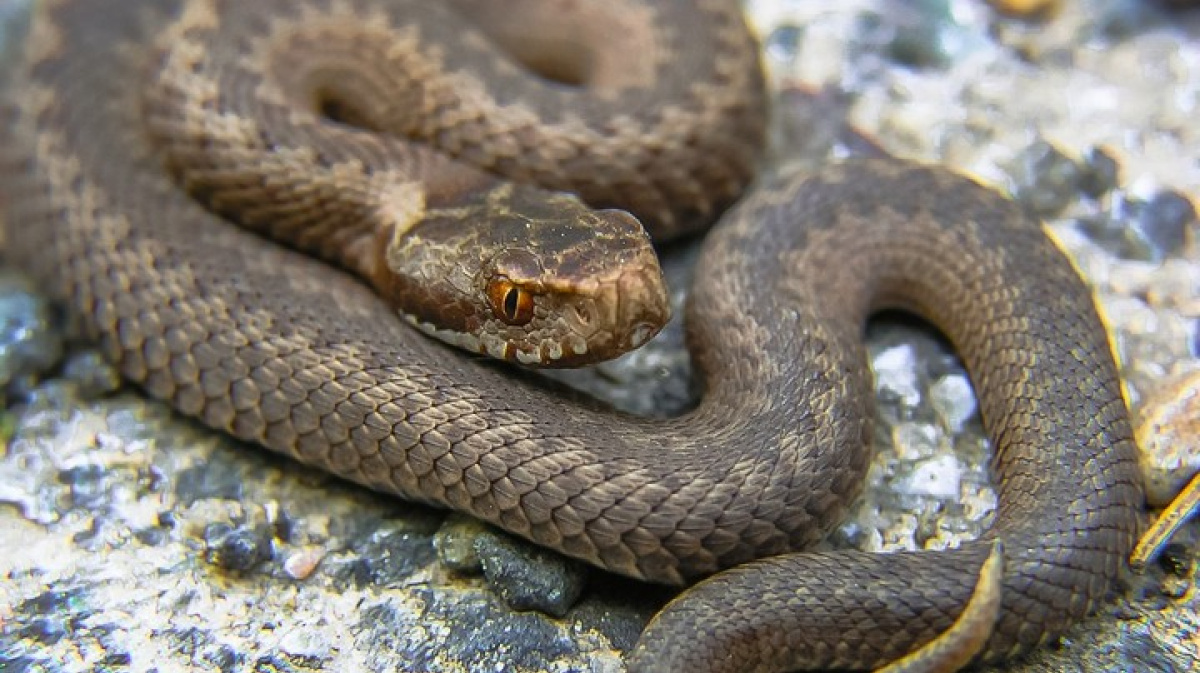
point(510, 302)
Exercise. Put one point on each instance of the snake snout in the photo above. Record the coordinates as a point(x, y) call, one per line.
point(607, 294)
point(636, 295)
point(643, 305)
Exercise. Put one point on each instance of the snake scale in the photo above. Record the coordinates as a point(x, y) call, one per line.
point(112, 205)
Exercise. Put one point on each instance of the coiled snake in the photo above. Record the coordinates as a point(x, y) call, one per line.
point(257, 111)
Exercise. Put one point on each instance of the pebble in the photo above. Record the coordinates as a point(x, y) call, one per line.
point(1168, 436)
point(30, 344)
point(301, 564)
point(306, 647)
point(89, 484)
point(1101, 172)
point(528, 577)
point(953, 399)
point(236, 548)
point(896, 374)
point(922, 34)
point(454, 543)
point(914, 441)
point(1044, 179)
point(940, 477)
point(1164, 221)
point(94, 376)
point(1148, 230)
point(1177, 560)
point(1038, 9)
point(919, 34)
point(1122, 19)
point(784, 42)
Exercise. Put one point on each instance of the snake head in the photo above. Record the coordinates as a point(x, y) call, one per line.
point(528, 276)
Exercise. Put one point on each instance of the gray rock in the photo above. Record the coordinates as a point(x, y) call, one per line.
point(1146, 230)
point(954, 401)
point(784, 42)
point(1101, 172)
point(30, 344)
point(1164, 223)
point(237, 549)
point(94, 375)
point(1044, 179)
point(455, 544)
point(529, 577)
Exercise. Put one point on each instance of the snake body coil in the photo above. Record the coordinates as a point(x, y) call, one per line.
point(277, 348)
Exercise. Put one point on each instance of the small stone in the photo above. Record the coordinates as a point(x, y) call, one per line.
point(914, 440)
point(29, 343)
point(896, 373)
point(224, 658)
point(152, 537)
point(1028, 9)
point(454, 543)
point(1143, 230)
point(1176, 560)
point(217, 480)
point(978, 503)
point(1122, 19)
point(529, 577)
point(93, 375)
point(919, 43)
point(88, 484)
point(1175, 588)
point(938, 478)
point(1163, 222)
point(237, 549)
point(305, 646)
point(601, 664)
point(1101, 172)
point(45, 630)
point(954, 401)
point(900, 535)
point(116, 661)
point(922, 33)
point(783, 44)
point(1044, 179)
point(302, 564)
point(1168, 437)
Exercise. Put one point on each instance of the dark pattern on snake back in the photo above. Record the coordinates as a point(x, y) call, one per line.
point(277, 348)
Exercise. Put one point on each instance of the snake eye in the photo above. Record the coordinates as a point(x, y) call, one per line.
point(510, 303)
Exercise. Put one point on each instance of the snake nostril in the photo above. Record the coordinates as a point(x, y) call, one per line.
point(584, 315)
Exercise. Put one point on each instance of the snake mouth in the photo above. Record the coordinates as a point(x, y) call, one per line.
point(640, 334)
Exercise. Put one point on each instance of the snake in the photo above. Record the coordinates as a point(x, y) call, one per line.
point(228, 198)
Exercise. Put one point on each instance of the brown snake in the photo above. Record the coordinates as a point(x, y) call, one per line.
point(280, 349)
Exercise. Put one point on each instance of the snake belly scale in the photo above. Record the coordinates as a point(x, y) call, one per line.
point(277, 348)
